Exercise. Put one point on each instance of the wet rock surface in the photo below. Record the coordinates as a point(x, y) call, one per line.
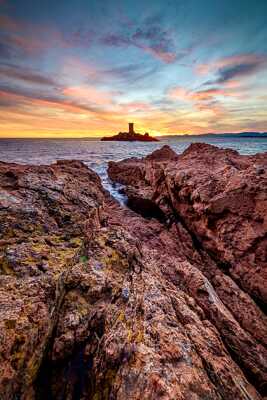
point(165, 302)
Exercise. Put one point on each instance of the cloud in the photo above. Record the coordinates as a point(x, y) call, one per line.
point(116, 40)
point(92, 73)
point(199, 95)
point(74, 66)
point(167, 57)
point(6, 101)
point(129, 72)
point(14, 45)
point(178, 92)
point(20, 36)
point(17, 99)
point(239, 70)
point(9, 24)
point(213, 92)
point(5, 50)
point(26, 75)
point(28, 112)
point(134, 107)
point(233, 68)
point(80, 37)
point(229, 73)
point(126, 70)
point(207, 100)
point(90, 94)
point(149, 38)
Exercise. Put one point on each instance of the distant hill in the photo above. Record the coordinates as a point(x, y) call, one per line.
point(253, 134)
point(231, 135)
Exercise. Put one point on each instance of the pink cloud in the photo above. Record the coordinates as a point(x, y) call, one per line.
point(232, 84)
point(204, 95)
point(73, 65)
point(203, 69)
point(28, 44)
point(135, 106)
point(89, 93)
point(31, 37)
point(210, 93)
point(179, 93)
point(167, 57)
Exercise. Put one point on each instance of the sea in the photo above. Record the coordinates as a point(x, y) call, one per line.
point(96, 154)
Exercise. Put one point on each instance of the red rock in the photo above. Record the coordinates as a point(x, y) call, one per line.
point(98, 302)
point(221, 198)
point(216, 194)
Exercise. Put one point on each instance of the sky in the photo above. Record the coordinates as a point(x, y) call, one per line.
point(84, 68)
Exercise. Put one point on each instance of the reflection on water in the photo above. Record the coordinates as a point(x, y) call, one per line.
point(96, 154)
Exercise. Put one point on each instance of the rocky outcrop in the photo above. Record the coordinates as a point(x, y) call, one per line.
point(220, 196)
point(98, 302)
point(130, 137)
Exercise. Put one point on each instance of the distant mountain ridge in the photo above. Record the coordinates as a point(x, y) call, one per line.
point(233, 135)
point(253, 134)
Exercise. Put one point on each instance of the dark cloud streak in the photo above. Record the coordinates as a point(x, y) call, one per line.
point(25, 75)
point(131, 73)
point(239, 70)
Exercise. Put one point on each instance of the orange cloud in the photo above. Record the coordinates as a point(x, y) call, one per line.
point(91, 94)
point(210, 93)
point(24, 116)
point(133, 107)
point(179, 93)
point(203, 95)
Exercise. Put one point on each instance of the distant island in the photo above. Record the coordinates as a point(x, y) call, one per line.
point(130, 136)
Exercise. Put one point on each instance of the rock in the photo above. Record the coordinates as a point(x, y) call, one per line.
point(219, 198)
point(43, 214)
point(98, 302)
point(165, 153)
point(130, 137)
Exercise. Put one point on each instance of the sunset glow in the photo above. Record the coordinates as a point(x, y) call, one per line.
point(86, 68)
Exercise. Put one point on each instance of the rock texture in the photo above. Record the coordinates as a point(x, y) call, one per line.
point(220, 196)
point(98, 302)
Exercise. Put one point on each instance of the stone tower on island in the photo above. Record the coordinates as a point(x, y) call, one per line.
point(131, 127)
point(131, 135)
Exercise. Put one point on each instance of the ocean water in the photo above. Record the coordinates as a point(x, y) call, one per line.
point(96, 154)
